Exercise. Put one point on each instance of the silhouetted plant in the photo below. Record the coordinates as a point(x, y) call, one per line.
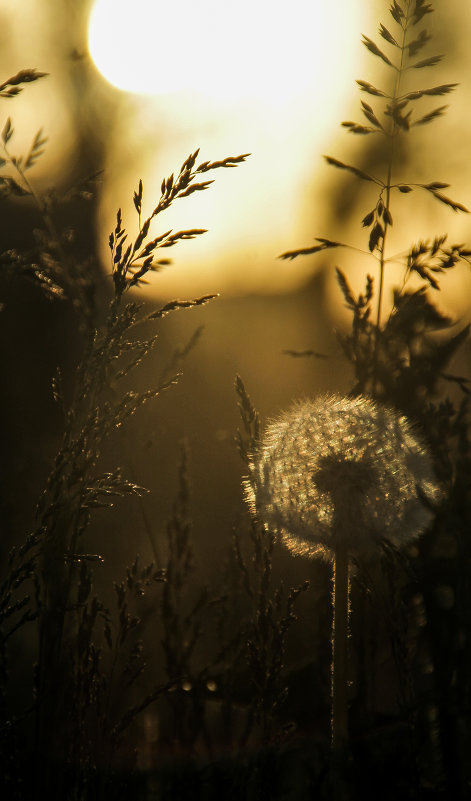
point(340, 476)
point(74, 626)
point(392, 359)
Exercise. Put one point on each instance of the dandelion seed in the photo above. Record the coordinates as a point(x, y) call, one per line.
point(339, 470)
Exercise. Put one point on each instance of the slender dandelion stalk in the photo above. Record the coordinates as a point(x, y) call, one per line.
point(341, 584)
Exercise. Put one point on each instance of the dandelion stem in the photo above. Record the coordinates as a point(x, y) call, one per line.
point(339, 650)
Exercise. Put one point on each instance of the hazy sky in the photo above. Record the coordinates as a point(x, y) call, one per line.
point(253, 80)
point(274, 85)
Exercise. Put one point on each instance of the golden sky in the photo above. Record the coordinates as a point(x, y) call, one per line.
point(163, 79)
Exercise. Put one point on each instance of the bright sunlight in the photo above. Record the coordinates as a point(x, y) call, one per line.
point(263, 77)
point(264, 48)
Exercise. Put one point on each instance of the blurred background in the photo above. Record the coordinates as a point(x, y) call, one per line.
point(133, 88)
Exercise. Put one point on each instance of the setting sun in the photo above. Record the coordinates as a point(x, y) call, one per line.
point(262, 48)
point(254, 77)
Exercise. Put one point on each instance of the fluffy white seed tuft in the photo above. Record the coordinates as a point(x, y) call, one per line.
point(342, 470)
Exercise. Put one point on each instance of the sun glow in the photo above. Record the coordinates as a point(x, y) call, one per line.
point(266, 47)
point(257, 76)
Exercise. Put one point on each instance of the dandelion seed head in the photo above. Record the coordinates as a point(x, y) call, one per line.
point(339, 469)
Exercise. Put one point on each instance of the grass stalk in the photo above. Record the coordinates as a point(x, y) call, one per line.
point(387, 216)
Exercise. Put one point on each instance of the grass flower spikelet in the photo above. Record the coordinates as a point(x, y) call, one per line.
point(339, 470)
